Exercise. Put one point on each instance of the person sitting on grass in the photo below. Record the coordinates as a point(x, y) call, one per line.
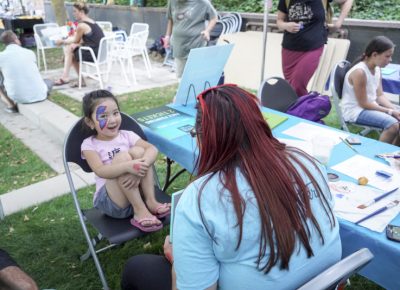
point(21, 81)
point(87, 33)
point(122, 163)
point(11, 275)
point(363, 100)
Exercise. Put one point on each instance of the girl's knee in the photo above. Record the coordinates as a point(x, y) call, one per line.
point(394, 129)
point(121, 157)
point(136, 152)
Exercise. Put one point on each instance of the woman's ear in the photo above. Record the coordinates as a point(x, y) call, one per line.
point(89, 123)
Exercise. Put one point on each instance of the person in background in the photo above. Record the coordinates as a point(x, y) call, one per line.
point(305, 33)
point(87, 33)
point(11, 275)
point(21, 81)
point(186, 28)
point(241, 224)
point(363, 101)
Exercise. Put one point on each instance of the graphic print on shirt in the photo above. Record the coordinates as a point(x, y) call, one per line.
point(300, 11)
point(183, 13)
point(112, 153)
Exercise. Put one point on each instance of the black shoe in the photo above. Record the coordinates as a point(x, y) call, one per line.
point(11, 110)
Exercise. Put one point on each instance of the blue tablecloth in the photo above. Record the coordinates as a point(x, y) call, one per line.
point(391, 82)
point(385, 266)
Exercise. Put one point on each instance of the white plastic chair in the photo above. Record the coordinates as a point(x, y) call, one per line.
point(138, 27)
point(106, 26)
point(101, 64)
point(42, 35)
point(137, 45)
point(122, 52)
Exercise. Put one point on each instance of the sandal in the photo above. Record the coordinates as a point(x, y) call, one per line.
point(159, 214)
point(141, 225)
point(76, 85)
point(60, 82)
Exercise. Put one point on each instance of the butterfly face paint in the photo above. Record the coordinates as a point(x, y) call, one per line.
point(101, 117)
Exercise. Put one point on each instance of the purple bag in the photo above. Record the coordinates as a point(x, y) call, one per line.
point(313, 107)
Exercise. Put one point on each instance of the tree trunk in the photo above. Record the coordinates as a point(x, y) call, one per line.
point(59, 11)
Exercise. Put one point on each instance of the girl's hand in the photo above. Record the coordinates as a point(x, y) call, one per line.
point(168, 250)
point(138, 167)
point(293, 27)
point(129, 181)
point(396, 114)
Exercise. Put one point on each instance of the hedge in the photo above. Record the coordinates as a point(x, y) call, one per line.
point(364, 9)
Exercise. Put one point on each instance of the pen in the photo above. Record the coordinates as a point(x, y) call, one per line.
point(378, 211)
point(376, 199)
point(347, 143)
point(395, 156)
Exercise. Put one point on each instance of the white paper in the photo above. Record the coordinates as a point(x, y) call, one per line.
point(358, 166)
point(303, 145)
point(349, 195)
point(306, 131)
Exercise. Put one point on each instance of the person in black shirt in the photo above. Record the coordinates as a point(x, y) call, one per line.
point(305, 33)
point(87, 33)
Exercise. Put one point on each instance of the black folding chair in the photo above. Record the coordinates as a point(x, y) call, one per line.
point(115, 231)
point(276, 93)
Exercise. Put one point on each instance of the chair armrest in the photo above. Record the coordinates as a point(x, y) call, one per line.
point(82, 48)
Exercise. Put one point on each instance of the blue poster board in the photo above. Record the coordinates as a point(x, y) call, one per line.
point(202, 70)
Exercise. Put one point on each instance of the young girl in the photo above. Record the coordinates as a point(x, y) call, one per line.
point(122, 162)
point(363, 99)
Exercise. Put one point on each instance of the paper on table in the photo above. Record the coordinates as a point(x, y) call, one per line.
point(303, 145)
point(307, 132)
point(349, 195)
point(388, 71)
point(358, 166)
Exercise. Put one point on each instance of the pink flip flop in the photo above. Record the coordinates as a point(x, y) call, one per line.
point(163, 214)
point(151, 228)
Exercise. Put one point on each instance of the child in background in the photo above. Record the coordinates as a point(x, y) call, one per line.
point(122, 163)
point(363, 100)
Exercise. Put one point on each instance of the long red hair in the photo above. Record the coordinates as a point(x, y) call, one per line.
point(232, 135)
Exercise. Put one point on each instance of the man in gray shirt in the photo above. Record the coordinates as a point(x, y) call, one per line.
point(187, 29)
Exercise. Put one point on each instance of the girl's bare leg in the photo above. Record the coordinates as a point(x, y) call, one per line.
point(147, 186)
point(389, 135)
point(124, 197)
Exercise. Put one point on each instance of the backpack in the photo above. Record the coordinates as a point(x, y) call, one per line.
point(327, 7)
point(312, 106)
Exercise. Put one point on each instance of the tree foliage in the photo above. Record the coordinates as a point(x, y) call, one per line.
point(364, 9)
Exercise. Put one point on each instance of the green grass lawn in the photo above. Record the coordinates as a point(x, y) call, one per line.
point(19, 166)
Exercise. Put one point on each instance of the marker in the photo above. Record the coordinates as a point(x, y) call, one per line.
point(383, 173)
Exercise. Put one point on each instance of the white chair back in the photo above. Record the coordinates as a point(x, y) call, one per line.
point(106, 26)
point(138, 27)
point(45, 33)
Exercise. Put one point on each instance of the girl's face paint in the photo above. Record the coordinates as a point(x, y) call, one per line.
point(101, 117)
point(106, 119)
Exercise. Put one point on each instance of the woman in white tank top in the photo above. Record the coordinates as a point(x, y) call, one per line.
point(363, 100)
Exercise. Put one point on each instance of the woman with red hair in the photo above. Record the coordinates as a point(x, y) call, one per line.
point(259, 213)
